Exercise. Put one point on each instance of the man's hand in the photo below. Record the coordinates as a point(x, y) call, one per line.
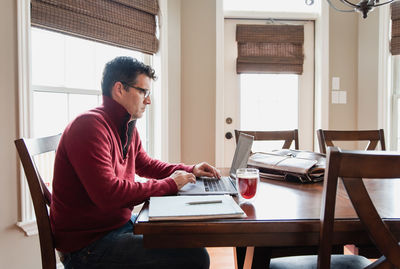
point(181, 178)
point(205, 170)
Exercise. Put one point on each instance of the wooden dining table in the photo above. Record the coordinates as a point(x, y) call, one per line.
point(283, 214)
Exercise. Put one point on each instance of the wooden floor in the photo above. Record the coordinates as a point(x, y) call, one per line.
point(221, 258)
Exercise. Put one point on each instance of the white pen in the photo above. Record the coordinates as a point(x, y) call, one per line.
point(204, 202)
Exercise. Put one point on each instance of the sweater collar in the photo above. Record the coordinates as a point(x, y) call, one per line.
point(117, 113)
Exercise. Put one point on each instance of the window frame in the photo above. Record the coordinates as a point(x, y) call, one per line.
point(395, 98)
point(385, 98)
point(27, 215)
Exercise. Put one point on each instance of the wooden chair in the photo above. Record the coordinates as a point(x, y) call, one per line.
point(287, 136)
point(41, 196)
point(346, 166)
point(326, 138)
point(261, 254)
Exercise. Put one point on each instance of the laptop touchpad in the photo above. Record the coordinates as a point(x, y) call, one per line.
point(191, 186)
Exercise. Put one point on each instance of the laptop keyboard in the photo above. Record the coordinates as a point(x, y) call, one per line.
point(213, 185)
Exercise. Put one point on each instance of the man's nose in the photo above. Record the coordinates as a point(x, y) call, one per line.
point(147, 100)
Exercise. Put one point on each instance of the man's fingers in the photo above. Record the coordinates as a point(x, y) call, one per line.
point(213, 173)
point(211, 170)
point(210, 173)
point(192, 178)
point(206, 174)
point(204, 169)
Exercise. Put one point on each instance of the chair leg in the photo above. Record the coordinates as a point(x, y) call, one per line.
point(240, 256)
point(370, 252)
point(261, 257)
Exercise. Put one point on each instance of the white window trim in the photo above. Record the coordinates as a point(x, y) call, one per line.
point(219, 78)
point(28, 222)
point(27, 218)
point(321, 69)
point(53, 89)
point(321, 98)
point(393, 134)
point(385, 104)
point(394, 97)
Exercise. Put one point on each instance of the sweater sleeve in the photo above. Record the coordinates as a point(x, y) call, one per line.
point(88, 145)
point(152, 168)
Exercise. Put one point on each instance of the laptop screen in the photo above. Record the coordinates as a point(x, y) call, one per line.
point(242, 153)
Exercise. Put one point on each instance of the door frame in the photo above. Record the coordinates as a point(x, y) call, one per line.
point(321, 68)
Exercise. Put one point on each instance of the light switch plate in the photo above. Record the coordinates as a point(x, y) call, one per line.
point(335, 83)
point(342, 97)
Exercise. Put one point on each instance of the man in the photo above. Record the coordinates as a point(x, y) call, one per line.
point(94, 187)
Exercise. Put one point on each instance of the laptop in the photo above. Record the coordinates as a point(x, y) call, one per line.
point(224, 185)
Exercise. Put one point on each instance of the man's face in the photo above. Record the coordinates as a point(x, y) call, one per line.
point(133, 100)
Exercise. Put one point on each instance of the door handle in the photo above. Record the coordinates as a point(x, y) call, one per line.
point(228, 135)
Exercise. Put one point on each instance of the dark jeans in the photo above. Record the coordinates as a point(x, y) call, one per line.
point(123, 249)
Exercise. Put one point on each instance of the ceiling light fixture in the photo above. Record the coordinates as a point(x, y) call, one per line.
point(364, 6)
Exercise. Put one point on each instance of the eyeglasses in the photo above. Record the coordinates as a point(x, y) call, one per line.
point(146, 92)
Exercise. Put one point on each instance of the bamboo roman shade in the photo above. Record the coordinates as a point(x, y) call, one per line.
point(395, 42)
point(125, 23)
point(270, 48)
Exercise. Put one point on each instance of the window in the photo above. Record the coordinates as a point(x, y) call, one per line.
point(66, 77)
point(65, 81)
point(267, 94)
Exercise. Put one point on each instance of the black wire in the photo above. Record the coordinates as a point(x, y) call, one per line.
point(341, 10)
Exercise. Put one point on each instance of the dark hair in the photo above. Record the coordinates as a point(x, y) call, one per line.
point(125, 69)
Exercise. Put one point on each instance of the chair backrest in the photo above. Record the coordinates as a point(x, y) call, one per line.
point(287, 136)
point(352, 167)
point(326, 138)
point(41, 196)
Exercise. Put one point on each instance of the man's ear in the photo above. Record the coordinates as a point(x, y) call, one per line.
point(117, 90)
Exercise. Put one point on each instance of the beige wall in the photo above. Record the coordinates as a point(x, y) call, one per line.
point(368, 61)
point(353, 57)
point(354, 44)
point(16, 250)
point(198, 26)
point(174, 79)
point(197, 83)
point(347, 34)
point(343, 43)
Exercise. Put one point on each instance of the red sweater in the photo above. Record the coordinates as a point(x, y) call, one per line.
point(94, 188)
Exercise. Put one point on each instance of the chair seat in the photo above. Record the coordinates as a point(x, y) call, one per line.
point(310, 262)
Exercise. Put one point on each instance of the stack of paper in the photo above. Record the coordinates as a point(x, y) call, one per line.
point(194, 207)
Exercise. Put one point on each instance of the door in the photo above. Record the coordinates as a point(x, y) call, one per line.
point(267, 101)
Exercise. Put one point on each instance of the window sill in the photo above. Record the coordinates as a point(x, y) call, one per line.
point(29, 227)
